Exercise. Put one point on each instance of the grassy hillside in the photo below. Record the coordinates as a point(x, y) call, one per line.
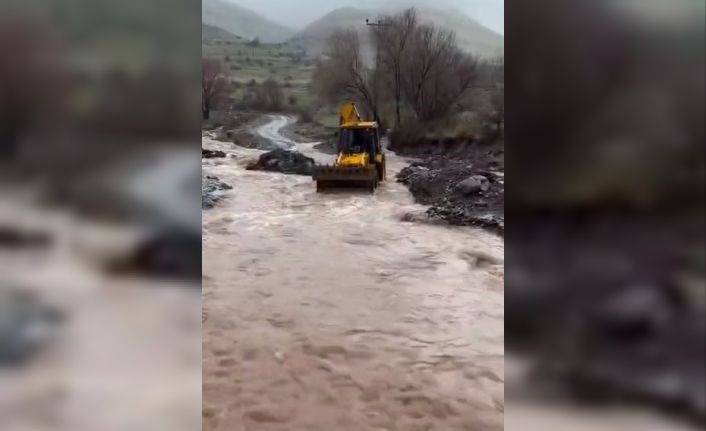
point(246, 63)
point(242, 22)
point(470, 35)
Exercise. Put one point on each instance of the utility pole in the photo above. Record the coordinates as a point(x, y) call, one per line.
point(376, 72)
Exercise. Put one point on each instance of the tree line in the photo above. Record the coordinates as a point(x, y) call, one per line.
point(216, 90)
point(418, 71)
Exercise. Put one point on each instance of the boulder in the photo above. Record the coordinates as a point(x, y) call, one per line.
point(211, 190)
point(473, 184)
point(210, 154)
point(169, 253)
point(284, 161)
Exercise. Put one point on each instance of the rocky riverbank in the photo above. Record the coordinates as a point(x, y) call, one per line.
point(462, 183)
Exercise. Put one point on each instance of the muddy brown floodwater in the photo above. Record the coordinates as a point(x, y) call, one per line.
point(327, 312)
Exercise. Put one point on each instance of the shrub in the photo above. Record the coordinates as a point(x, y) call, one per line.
point(268, 96)
point(305, 114)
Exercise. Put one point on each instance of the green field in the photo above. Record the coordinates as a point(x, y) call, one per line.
point(246, 63)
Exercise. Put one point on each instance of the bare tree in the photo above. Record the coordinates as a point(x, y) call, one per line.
point(421, 64)
point(487, 98)
point(458, 75)
point(273, 94)
point(496, 90)
point(392, 37)
point(213, 85)
point(343, 72)
point(254, 44)
point(429, 52)
point(437, 74)
point(267, 96)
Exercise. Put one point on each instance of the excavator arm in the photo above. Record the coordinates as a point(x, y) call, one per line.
point(349, 114)
point(360, 161)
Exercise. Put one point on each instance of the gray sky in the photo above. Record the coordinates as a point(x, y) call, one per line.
point(297, 14)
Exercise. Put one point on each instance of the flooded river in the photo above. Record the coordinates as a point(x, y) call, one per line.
point(327, 312)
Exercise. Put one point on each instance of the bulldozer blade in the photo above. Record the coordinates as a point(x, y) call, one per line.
point(339, 177)
point(337, 173)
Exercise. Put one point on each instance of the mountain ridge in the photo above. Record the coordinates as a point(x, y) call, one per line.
point(243, 22)
point(470, 34)
point(240, 21)
point(211, 31)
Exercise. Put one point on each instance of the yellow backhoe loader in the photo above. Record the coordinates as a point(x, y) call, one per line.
point(360, 161)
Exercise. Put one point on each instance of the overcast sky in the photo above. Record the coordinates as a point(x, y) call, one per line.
point(297, 14)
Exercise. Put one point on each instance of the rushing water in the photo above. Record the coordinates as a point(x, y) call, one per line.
point(126, 354)
point(327, 312)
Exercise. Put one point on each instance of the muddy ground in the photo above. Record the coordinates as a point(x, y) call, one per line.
point(313, 132)
point(237, 127)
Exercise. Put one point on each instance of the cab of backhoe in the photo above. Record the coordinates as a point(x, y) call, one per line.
point(358, 140)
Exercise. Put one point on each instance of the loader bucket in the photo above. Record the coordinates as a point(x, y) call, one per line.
point(328, 177)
